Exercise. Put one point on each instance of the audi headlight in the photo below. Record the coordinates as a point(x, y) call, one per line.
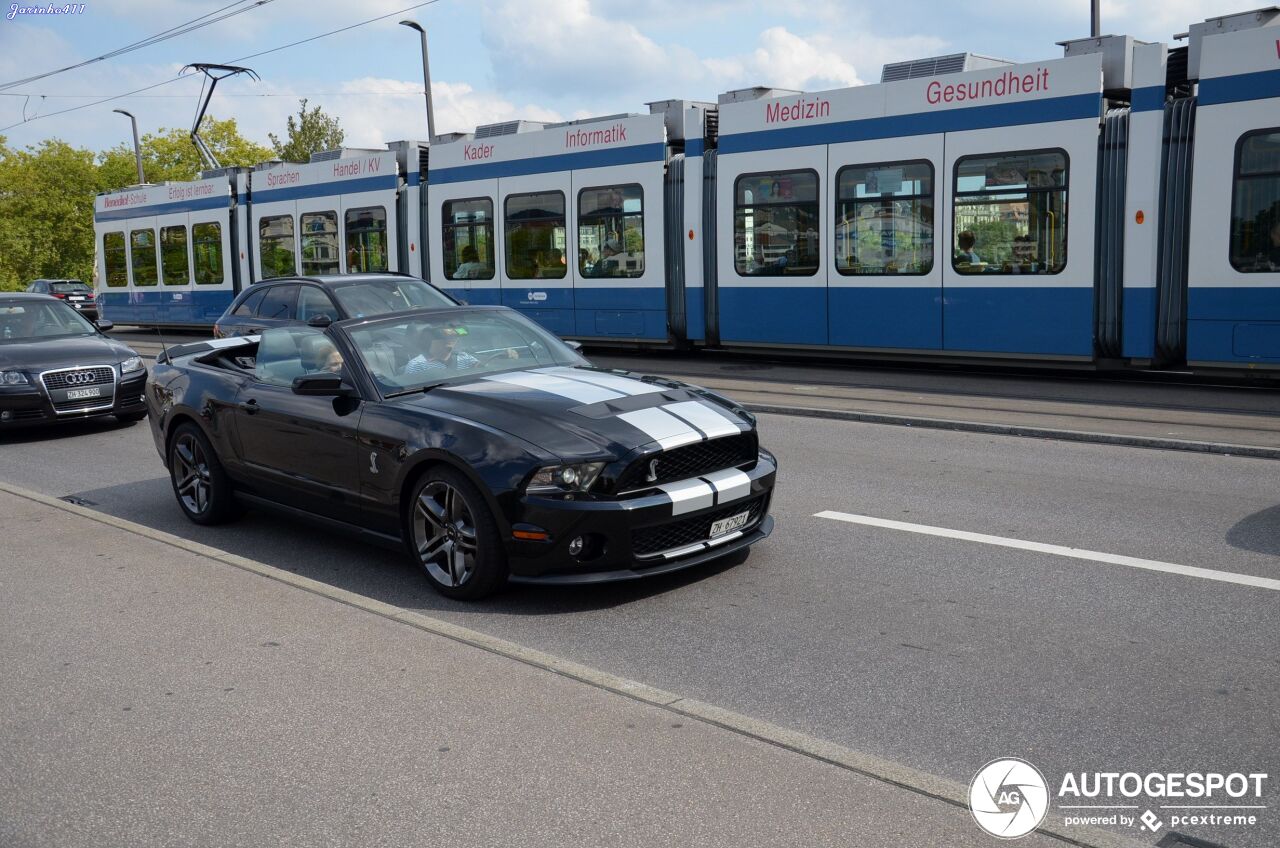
point(554, 479)
point(130, 365)
point(13, 378)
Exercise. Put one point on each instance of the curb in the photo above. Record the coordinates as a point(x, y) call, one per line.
point(1219, 448)
point(883, 771)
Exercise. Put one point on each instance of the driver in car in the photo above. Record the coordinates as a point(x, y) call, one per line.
point(438, 346)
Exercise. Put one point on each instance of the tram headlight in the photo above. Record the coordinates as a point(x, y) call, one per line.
point(13, 378)
point(130, 365)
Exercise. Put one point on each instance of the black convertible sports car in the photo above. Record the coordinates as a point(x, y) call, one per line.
point(484, 444)
point(56, 366)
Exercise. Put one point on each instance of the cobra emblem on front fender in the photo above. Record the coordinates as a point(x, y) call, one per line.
point(373, 462)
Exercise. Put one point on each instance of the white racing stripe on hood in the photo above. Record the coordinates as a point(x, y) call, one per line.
point(572, 389)
point(688, 496)
point(706, 418)
point(617, 383)
point(662, 427)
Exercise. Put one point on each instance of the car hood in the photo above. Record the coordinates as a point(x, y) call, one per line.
point(43, 354)
point(580, 412)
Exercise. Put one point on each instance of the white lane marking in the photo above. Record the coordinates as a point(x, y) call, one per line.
point(688, 496)
point(572, 389)
point(1059, 550)
point(705, 417)
point(666, 430)
point(730, 484)
point(626, 385)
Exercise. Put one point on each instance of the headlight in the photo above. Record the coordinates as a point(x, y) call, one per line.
point(133, 363)
point(565, 478)
point(13, 378)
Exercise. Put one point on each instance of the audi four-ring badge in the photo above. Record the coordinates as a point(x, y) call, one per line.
point(486, 446)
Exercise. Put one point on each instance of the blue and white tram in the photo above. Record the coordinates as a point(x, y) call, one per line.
point(176, 254)
point(1116, 207)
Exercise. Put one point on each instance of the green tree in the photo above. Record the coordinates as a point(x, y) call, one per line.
point(46, 213)
point(311, 132)
point(170, 154)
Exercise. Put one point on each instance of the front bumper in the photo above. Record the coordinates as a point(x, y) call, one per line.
point(652, 533)
point(31, 405)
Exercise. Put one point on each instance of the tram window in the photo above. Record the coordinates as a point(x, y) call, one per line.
point(206, 244)
point(467, 231)
point(366, 239)
point(536, 235)
point(173, 256)
point(775, 224)
point(275, 245)
point(611, 231)
point(1010, 213)
point(319, 242)
point(884, 219)
point(1255, 203)
point(142, 250)
point(113, 256)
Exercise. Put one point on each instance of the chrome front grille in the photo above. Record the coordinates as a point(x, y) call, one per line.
point(78, 378)
point(59, 382)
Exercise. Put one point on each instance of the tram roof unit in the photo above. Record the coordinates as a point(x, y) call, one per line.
point(514, 148)
point(939, 94)
point(163, 198)
point(1206, 63)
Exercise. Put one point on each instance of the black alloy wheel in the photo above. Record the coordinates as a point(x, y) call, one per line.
point(199, 483)
point(454, 537)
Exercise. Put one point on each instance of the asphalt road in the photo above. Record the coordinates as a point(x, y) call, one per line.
point(935, 652)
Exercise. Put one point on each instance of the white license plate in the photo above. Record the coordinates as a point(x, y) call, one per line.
point(728, 525)
point(75, 297)
point(81, 394)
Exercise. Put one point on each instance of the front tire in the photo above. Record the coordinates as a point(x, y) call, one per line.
point(199, 482)
point(453, 537)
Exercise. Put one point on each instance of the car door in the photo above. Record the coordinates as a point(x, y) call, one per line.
point(298, 450)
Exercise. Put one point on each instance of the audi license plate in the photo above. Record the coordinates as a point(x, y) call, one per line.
point(81, 394)
point(728, 525)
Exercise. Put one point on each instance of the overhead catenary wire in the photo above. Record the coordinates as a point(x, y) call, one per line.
point(165, 35)
point(231, 62)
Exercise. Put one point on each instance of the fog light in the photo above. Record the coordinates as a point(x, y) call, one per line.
point(8, 416)
point(575, 547)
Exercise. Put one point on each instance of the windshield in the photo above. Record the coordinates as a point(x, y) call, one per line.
point(69, 288)
point(410, 353)
point(35, 319)
point(378, 297)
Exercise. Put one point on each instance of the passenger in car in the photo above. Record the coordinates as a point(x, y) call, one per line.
point(438, 346)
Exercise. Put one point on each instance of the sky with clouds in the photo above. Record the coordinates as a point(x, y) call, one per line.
point(494, 60)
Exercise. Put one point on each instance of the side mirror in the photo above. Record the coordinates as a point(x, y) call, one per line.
point(104, 325)
point(576, 346)
point(321, 385)
point(319, 321)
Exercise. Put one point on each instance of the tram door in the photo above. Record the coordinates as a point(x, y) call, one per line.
point(772, 273)
point(173, 241)
point(885, 283)
point(466, 256)
point(537, 272)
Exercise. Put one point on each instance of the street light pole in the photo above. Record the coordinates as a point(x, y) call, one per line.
point(137, 148)
point(426, 78)
point(1095, 19)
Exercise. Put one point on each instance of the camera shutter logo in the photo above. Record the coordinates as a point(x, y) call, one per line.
point(1008, 798)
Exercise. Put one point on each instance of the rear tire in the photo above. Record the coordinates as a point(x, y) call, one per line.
point(200, 484)
point(453, 536)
